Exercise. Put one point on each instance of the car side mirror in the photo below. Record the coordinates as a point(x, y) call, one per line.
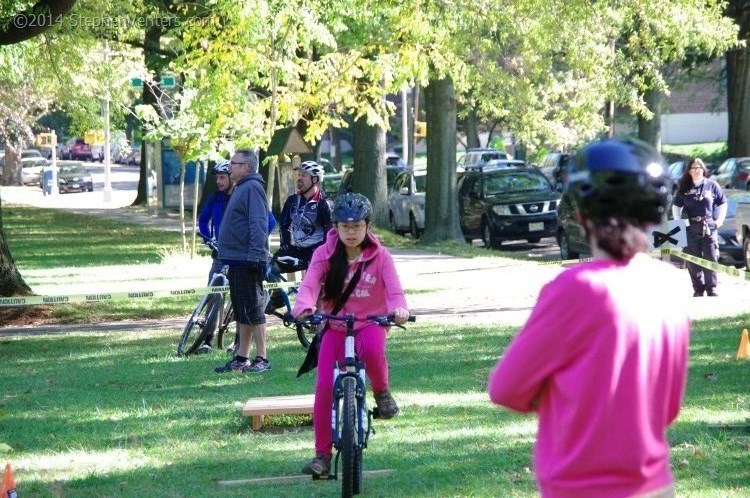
point(403, 191)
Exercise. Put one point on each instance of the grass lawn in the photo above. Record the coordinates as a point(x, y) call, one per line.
point(118, 414)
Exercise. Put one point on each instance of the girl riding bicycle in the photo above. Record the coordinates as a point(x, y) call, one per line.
point(350, 252)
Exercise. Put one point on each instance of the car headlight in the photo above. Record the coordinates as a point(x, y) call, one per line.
point(502, 210)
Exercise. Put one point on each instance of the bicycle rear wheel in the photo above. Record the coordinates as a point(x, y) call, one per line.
point(200, 325)
point(349, 443)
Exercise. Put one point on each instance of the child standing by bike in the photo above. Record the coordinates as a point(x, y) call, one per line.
point(603, 357)
point(351, 253)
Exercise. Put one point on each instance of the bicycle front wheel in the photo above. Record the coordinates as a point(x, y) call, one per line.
point(227, 333)
point(200, 325)
point(349, 443)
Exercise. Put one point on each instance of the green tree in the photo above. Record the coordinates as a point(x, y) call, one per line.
point(738, 81)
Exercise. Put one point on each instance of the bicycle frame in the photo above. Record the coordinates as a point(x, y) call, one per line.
point(350, 380)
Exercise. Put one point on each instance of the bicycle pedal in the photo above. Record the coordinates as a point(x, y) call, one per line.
point(324, 477)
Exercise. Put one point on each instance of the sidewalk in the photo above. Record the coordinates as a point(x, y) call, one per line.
point(484, 290)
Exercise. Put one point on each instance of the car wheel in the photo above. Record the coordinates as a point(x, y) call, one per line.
point(489, 240)
point(413, 228)
point(469, 240)
point(746, 252)
point(565, 251)
point(90, 189)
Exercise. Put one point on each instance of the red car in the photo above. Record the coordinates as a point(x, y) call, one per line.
point(81, 151)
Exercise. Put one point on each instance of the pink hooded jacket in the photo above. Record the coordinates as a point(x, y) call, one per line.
point(378, 290)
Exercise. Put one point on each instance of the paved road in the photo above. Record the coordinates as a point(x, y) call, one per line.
point(441, 288)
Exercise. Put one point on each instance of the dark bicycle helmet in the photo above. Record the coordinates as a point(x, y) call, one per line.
point(221, 167)
point(620, 177)
point(351, 207)
point(312, 168)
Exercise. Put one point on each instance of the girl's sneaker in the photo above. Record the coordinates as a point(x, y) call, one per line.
point(318, 466)
point(386, 405)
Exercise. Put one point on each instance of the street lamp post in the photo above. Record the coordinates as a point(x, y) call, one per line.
point(107, 181)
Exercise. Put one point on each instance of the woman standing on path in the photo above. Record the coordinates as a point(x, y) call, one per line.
point(706, 207)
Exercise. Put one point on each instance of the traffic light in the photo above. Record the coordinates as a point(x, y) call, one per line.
point(44, 140)
point(420, 129)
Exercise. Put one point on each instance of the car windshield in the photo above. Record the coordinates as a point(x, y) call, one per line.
point(517, 181)
point(31, 154)
point(391, 174)
point(420, 183)
point(331, 184)
point(73, 169)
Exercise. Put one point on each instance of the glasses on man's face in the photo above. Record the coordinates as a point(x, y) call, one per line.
point(352, 227)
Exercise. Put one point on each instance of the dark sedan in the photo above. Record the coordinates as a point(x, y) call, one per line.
point(74, 178)
point(508, 203)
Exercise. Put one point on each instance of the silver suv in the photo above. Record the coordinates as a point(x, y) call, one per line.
point(480, 157)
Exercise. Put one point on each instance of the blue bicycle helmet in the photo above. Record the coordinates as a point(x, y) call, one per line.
point(221, 167)
point(620, 177)
point(351, 207)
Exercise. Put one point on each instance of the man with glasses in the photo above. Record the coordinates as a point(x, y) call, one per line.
point(305, 221)
point(243, 246)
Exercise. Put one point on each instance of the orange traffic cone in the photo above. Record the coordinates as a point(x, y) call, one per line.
point(744, 350)
point(8, 484)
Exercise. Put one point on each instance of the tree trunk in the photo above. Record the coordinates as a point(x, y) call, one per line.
point(149, 95)
point(11, 282)
point(335, 141)
point(738, 83)
point(738, 101)
point(369, 168)
point(650, 130)
point(470, 124)
point(441, 205)
point(12, 168)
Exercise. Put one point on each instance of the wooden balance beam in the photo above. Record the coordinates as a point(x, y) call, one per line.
point(275, 405)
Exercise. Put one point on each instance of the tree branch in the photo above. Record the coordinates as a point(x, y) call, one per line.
point(34, 21)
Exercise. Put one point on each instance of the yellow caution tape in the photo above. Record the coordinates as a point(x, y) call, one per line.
point(124, 296)
point(678, 253)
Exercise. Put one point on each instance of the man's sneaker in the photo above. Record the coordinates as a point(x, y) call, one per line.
point(318, 466)
point(275, 302)
point(234, 365)
point(258, 365)
point(386, 405)
point(204, 349)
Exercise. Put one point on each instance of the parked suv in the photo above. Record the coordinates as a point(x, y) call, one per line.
point(555, 168)
point(406, 202)
point(502, 203)
point(81, 151)
point(734, 173)
point(479, 157)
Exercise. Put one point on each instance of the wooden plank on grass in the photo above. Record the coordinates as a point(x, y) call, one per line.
point(296, 478)
point(257, 408)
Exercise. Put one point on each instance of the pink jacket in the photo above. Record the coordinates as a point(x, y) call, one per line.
point(377, 292)
point(603, 360)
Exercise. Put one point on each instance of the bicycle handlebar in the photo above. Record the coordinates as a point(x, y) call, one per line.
point(211, 243)
point(384, 320)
